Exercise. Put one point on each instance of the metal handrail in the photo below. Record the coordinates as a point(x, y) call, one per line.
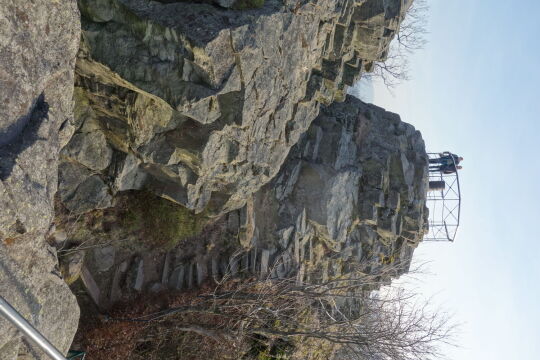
point(30, 332)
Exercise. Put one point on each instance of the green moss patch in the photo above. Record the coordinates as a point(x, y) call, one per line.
point(161, 222)
point(248, 4)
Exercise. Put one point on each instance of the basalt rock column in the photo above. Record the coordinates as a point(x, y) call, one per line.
point(351, 195)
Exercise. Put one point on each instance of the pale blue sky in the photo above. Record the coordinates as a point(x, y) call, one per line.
point(475, 91)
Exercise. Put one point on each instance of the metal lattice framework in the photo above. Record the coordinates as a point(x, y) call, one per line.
point(444, 205)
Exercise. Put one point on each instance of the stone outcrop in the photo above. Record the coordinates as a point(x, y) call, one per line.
point(215, 106)
point(38, 44)
point(349, 199)
point(201, 104)
point(351, 194)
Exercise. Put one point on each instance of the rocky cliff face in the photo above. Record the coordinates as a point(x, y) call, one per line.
point(38, 44)
point(201, 104)
point(351, 194)
point(214, 106)
point(349, 199)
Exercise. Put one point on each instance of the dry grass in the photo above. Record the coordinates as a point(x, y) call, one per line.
point(111, 337)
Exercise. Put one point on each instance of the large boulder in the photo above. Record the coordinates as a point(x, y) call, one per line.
point(201, 104)
point(38, 45)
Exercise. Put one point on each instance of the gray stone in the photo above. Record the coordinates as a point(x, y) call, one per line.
point(244, 262)
point(284, 263)
point(30, 283)
point(285, 236)
point(91, 286)
point(36, 97)
point(394, 200)
point(131, 176)
point(233, 221)
point(203, 112)
point(139, 278)
point(202, 272)
point(190, 276)
point(336, 211)
point(387, 226)
point(253, 258)
point(119, 274)
point(265, 258)
point(297, 248)
point(224, 267)
point(80, 190)
point(215, 269)
point(89, 149)
point(104, 257)
point(339, 209)
point(367, 213)
point(233, 265)
point(300, 275)
point(166, 268)
point(38, 43)
point(10, 350)
point(374, 197)
point(177, 278)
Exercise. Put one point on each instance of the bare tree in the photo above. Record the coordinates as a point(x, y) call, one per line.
point(412, 30)
point(347, 313)
point(410, 37)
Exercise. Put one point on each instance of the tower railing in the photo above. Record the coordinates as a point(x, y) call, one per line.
point(444, 203)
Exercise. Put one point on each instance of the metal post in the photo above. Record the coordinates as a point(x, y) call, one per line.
point(28, 330)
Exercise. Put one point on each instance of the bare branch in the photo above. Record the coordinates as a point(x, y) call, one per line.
point(411, 36)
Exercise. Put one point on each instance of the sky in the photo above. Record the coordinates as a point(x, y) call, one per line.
point(475, 91)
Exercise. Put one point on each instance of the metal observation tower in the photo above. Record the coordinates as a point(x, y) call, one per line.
point(444, 203)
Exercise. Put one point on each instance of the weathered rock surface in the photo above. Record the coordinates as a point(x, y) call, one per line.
point(350, 199)
point(352, 193)
point(38, 44)
point(201, 104)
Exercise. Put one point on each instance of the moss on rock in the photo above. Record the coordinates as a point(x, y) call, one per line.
point(248, 4)
point(162, 222)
